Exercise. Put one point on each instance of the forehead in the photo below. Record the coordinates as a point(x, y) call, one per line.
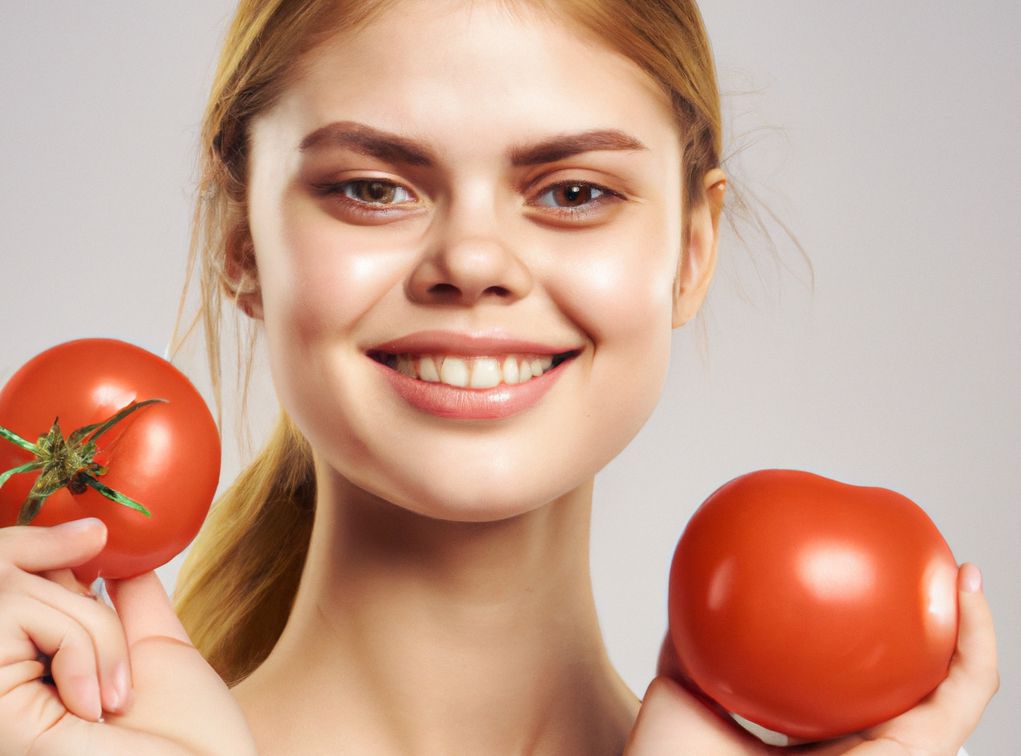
point(485, 71)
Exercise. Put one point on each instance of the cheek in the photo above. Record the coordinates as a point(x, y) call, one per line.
point(619, 287)
point(620, 292)
point(317, 281)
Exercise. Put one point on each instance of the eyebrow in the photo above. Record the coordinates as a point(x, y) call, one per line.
point(567, 145)
point(366, 140)
point(393, 148)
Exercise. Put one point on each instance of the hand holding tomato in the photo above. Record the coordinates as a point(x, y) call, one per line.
point(132, 444)
point(812, 607)
point(790, 592)
point(136, 663)
point(678, 721)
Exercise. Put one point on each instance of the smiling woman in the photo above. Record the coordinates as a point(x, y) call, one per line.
point(467, 231)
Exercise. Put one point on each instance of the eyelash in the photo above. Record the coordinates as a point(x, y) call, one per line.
point(382, 209)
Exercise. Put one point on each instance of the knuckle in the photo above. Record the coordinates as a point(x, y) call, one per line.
point(100, 615)
point(72, 635)
point(105, 627)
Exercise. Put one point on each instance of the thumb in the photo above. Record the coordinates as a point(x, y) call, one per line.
point(39, 549)
point(672, 720)
point(177, 695)
point(145, 610)
point(669, 665)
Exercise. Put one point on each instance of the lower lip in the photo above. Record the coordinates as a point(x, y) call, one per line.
point(471, 404)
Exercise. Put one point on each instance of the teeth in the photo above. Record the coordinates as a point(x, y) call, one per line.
point(486, 373)
point(472, 372)
point(405, 367)
point(510, 371)
point(427, 370)
point(454, 371)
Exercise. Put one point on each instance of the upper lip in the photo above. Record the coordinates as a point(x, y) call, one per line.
point(468, 344)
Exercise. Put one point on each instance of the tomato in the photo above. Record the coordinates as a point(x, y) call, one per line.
point(164, 457)
point(811, 607)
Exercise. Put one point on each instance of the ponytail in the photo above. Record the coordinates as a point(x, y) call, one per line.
point(239, 580)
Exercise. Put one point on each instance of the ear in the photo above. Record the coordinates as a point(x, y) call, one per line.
point(240, 279)
point(698, 258)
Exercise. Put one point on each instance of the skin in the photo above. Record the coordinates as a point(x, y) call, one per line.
point(438, 544)
point(446, 605)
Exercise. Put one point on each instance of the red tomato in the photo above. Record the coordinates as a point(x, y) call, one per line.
point(811, 607)
point(164, 456)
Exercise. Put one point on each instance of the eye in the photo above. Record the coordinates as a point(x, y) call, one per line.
point(571, 194)
point(576, 202)
point(373, 192)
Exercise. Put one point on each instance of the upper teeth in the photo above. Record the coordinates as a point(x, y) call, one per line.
point(473, 372)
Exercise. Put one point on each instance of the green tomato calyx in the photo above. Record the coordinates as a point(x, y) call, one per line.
point(68, 463)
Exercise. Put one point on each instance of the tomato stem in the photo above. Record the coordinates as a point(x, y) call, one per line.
point(68, 463)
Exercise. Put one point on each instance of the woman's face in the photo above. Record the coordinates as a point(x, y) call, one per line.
point(450, 194)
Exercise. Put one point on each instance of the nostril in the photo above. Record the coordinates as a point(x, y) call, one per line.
point(450, 291)
point(444, 290)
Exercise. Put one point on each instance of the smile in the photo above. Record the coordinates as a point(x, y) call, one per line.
point(472, 371)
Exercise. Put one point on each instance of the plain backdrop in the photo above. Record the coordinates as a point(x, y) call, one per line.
point(884, 135)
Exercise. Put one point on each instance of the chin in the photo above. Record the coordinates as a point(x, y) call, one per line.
point(454, 501)
point(466, 494)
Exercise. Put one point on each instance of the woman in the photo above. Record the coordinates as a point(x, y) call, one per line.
point(467, 230)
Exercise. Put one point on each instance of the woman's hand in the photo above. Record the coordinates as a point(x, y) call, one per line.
point(136, 664)
point(674, 721)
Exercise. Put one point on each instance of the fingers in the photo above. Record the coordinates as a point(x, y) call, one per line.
point(66, 578)
point(58, 635)
point(973, 678)
point(45, 611)
point(41, 617)
point(37, 549)
point(950, 714)
point(105, 632)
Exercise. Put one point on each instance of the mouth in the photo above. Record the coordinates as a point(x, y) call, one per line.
point(472, 371)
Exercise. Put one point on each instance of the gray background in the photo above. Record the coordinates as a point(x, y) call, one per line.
point(883, 134)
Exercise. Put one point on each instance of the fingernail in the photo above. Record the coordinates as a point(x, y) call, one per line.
point(971, 578)
point(86, 689)
point(77, 526)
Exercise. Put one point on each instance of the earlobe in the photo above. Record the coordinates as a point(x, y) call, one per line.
point(698, 259)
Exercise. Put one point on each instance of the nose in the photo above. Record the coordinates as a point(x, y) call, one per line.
point(468, 262)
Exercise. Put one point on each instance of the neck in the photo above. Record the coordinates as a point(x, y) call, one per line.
point(450, 637)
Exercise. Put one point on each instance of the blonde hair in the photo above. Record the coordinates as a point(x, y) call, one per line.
point(239, 580)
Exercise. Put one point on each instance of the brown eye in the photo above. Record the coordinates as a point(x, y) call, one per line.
point(375, 192)
point(573, 195)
